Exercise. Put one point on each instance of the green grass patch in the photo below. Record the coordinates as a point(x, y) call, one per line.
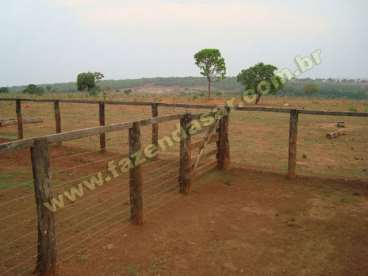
point(8, 136)
point(12, 180)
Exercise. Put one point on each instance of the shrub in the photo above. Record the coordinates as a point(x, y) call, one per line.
point(33, 89)
point(86, 81)
point(4, 90)
point(128, 91)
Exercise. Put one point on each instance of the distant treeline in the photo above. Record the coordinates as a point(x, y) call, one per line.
point(325, 88)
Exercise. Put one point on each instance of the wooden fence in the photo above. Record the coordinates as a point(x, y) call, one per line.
point(293, 128)
point(39, 146)
point(46, 262)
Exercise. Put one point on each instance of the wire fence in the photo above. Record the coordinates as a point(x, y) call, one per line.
point(258, 140)
point(96, 209)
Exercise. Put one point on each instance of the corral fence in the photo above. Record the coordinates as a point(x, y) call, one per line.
point(293, 121)
point(190, 164)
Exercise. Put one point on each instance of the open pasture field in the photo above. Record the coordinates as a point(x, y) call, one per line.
point(259, 140)
point(234, 223)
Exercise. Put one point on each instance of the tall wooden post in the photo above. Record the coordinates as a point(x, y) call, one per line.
point(18, 107)
point(46, 248)
point(185, 168)
point(223, 146)
point(154, 126)
point(293, 135)
point(135, 176)
point(57, 117)
point(102, 123)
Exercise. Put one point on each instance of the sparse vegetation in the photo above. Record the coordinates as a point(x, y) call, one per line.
point(4, 90)
point(33, 89)
point(311, 89)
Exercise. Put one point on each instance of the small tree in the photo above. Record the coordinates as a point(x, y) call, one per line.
point(311, 88)
point(86, 81)
point(259, 80)
point(212, 65)
point(33, 89)
point(4, 90)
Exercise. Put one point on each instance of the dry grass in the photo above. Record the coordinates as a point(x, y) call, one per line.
point(258, 140)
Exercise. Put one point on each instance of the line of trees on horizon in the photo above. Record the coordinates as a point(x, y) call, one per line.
point(257, 80)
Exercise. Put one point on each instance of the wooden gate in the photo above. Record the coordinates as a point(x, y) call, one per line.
point(195, 157)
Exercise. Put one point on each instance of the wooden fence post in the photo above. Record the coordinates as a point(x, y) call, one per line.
point(185, 168)
point(135, 176)
point(155, 126)
point(102, 123)
point(46, 248)
point(223, 146)
point(293, 135)
point(18, 106)
point(57, 117)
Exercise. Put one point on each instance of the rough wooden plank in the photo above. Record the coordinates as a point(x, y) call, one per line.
point(57, 117)
point(157, 120)
point(199, 144)
point(102, 120)
point(302, 111)
point(210, 132)
point(335, 134)
point(155, 126)
point(293, 136)
point(194, 106)
point(223, 146)
point(18, 107)
point(185, 167)
point(333, 113)
point(83, 133)
point(205, 168)
point(57, 114)
point(205, 156)
point(245, 108)
point(12, 122)
point(263, 109)
point(46, 247)
point(135, 176)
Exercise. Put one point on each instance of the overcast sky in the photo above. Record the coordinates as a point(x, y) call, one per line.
point(43, 41)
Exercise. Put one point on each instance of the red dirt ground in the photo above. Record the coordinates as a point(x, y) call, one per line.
point(241, 223)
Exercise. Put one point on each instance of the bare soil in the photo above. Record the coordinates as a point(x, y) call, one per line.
point(241, 223)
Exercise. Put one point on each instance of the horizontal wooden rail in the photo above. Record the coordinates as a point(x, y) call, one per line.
point(333, 113)
point(302, 111)
point(83, 133)
point(195, 106)
point(76, 101)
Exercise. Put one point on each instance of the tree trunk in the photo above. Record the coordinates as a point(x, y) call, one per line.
point(209, 88)
point(258, 98)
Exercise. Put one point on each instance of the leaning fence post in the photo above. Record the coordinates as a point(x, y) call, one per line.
point(18, 107)
point(155, 126)
point(293, 135)
point(46, 248)
point(135, 175)
point(185, 154)
point(57, 117)
point(223, 146)
point(102, 123)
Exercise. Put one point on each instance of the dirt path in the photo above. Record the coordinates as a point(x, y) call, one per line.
point(241, 223)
